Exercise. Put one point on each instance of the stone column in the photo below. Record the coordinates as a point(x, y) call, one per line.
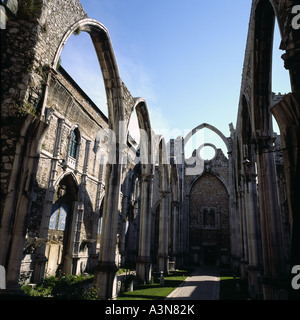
point(243, 225)
point(82, 192)
point(53, 176)
point(175, 231)
point(17, 205)
point(123, 227)
point(287, 114)
point(185, 227)
point(235, 235)
point(272, 241)
point(163, 256)
point(41, 260)
point(96, 219)
point(143, 265)
point(255, 268)
point(70, 259)
point(105, 274)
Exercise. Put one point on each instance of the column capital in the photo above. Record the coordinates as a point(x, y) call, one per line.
point(164, 194)
point(264, 143)
point(147, 177)
point(176, 204)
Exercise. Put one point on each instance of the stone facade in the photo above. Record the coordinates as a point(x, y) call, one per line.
point(209, 229)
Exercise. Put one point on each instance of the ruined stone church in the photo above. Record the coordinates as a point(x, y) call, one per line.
point(79, 194)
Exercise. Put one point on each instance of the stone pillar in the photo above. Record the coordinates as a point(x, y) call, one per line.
point(175, 231)
point(255, 268)
point(185, 227)
point(99, 198)
point(70, 258)
point(163, 256)
point(243, 223)
point(105, 274)
point(272, 241)
point(17, 204)
point(287, 114)
point(79, 213)
point(40, 263)
point(143, 265)
point(123, 227)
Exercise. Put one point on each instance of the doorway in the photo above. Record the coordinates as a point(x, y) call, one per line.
point(59, 247)
point(209, 255)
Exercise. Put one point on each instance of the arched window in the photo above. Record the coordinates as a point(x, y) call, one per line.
point(74, 141)
point(205, 217)
point(210, 218)
point(58, 216)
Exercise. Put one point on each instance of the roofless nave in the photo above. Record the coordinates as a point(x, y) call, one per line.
point(79, 196)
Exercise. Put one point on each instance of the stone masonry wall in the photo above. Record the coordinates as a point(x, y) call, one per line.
point(28, 47)
point(207, 190)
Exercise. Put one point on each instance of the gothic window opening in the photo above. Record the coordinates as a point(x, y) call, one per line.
point(74, 142)
point(100, 221)
point(60, 232)
point(58, 217)
point(209, 218)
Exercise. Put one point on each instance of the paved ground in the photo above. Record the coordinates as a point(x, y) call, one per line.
point(203, 284)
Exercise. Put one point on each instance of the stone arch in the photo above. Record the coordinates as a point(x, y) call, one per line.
point(60, 231)
point(16, 208)
point(257, 79)
point(63, 175)
point(106, 57)
point(209, 227)
point(146, 142)
point(264, 23)
point(246, 119)
point(246, 129)
point(164, 166)
point(222, 180)
point(143, 266)
point(106, 269)
point(210, 127)
point(174, 178)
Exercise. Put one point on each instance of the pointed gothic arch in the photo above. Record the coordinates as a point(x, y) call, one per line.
point(107, 61)
point(106, 269)
point(209, 216)
point(59, 251)
point(210, 127)
point(257, 95)
point(143, 265)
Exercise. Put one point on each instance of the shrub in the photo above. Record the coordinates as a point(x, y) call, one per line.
point(64, 287)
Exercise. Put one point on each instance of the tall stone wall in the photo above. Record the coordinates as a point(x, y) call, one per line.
point(40, 108)
point(209, 240)
point(28, 45)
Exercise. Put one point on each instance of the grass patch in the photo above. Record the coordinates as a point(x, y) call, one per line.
point(154, 291)
point(232, 288)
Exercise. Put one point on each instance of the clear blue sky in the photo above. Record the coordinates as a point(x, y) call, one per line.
point(185, 57)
